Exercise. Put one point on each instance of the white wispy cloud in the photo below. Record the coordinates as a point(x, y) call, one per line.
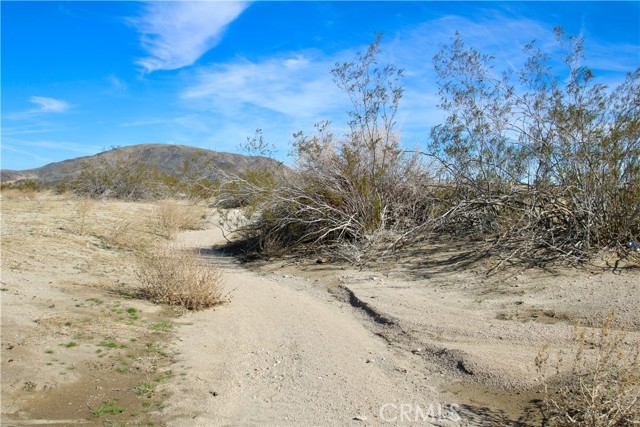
point(49, 105)
point(295, 85)
point(292, 90)
point(504, 36)
point(25, 130)
point(45, 144)
point(43, 151)
point(43, 105)
point(117, 86)
point(176, 34)
point(30, 154)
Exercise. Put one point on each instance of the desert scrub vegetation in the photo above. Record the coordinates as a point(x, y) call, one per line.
point(113, 225)
point(344, 192)
point(123, 232)
point(120, 177)
point(534, 166)
point(597, 384)
point(26, 189)
point(546, 160)
point(174, 276)
point(84, 207)
point(174, 216)
point(113, 174)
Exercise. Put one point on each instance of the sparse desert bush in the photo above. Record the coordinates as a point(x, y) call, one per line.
point(174, 276)
point(83, 208)
point(117, 175)
point(597, 384)
point(344, 192)
point(537, 166)
point(12, 194)
point(120, 177)
point(122, 233)
point(545, 161)
point(26, 189)
point(173, 216)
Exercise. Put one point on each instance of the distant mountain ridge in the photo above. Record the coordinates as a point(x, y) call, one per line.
point(167, 158)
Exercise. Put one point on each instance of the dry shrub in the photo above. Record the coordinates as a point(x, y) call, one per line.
point(174, 276)
point(84, 207)
point(535, 167)
point(12, 194)
point(114, 174)
point(345, 191)
point(546, 161)
point(602, 386)
point(122, 233)
point(173, 217)
point(22, 189)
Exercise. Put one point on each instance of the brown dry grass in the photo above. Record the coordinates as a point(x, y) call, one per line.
point(52, 230)
point(174, 276)
point(17, 194)
point(84, 207)
point(123, 233)
point(602, 386)
point(173, 216)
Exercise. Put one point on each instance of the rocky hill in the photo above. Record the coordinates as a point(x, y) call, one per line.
point(167, 158)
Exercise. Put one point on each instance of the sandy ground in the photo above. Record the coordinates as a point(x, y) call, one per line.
point(72, 338)
point(411, 342)
point(285, 352)
point(303, 343)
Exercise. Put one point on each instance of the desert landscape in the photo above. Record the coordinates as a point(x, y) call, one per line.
point(237, 213)
point(295, 342)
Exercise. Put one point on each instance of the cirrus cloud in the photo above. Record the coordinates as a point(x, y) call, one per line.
point(176, 34)
point(49, 105)
point(296, 85)
point(44, 105)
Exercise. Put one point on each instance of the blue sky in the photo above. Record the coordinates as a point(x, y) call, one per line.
point(79, 77)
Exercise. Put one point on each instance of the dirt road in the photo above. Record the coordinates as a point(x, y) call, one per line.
point(282, 352)
point(303, 344)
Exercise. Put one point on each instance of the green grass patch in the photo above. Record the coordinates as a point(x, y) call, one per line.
point(145, 388)
point(79, 336)
point(133, 313)
point(108, 343)
point(107, 408)
point(161, 327)
point(163, 376)
point(156, 348)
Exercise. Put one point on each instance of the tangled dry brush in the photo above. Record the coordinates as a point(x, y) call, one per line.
point(538, 166)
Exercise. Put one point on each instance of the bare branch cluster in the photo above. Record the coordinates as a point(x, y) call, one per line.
point(541, 164)
point(548, 163)
point(346, 191)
